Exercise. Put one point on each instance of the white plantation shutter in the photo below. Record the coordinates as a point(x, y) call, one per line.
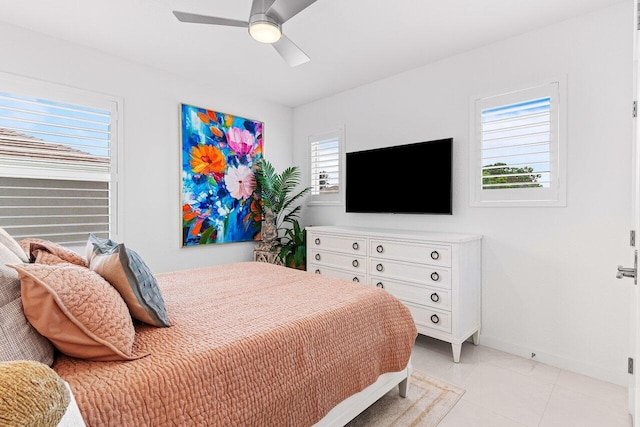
point(62, 211)
point(518, 137)
point(518, 149)
point(57, 174)
point(326, 166)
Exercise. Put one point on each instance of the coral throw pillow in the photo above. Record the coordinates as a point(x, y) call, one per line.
point(128, 273)
point(82, 314)
point(31, 246)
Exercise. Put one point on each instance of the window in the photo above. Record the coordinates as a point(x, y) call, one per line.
point(326, 153)
point(518, 148)
point(58, 175)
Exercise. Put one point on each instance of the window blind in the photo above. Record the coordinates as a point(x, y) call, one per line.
point(517, 145)
point(62, 211)
point(55, 169)
point(325, 166)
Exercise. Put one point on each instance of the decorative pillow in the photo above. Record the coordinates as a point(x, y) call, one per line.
point(77, 310)
point(18, 339)
point(126, 272)
point(11, 244)
point(44, 257)
point(31, 245)
point(32, 394)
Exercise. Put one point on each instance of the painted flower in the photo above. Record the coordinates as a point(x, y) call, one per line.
point(207, 160)
point(189, 213)
point(223, 210)
point(240, 182)
point(240, 140)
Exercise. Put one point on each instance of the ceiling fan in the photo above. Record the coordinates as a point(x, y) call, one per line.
point(265, 25)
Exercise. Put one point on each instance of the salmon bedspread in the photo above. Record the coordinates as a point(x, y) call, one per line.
point(251, 344)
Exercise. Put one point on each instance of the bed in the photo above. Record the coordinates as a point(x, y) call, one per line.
point(252, 344)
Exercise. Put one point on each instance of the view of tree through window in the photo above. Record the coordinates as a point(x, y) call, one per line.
point(499, 175)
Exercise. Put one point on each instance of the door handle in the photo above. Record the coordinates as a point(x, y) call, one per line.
point(629, 272)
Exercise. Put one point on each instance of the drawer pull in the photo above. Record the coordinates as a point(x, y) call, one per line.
point(318, 257)
point(435, 276)
point(355, 246)
point(317, 241)
point(317, 271)
point(380, 285)
point(435, 318)
point(380, 249)
point(435, 297)
point(355, 279)
point(379, 267)
point(435, 255)
point(355, 263)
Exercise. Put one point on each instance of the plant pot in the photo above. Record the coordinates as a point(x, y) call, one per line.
point(269, 231)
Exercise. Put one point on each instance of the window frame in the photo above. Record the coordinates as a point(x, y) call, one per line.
point(36, 88)
point(553, 196)
point(331, 199)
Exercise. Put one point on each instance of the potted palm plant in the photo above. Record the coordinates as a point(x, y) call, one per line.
point(281, 208)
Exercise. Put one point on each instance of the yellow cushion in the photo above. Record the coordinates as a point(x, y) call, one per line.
point(32, 394)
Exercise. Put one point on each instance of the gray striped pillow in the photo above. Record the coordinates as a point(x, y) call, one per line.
point(18, 339)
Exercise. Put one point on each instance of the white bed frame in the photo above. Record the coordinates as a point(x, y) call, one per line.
point(352, 406)
point(340, 415)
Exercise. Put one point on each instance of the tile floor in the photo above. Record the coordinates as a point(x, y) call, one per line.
point(507, 390)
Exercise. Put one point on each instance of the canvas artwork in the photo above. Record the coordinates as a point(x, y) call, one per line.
point(219, 153)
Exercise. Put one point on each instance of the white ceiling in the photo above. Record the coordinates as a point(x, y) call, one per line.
point(350, 42)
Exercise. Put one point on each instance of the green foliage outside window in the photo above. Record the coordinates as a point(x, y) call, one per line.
point(496, 175)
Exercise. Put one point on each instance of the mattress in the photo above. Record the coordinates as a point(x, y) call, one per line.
point(250, 344)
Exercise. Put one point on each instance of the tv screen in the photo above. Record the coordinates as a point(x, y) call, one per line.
point(412, 178)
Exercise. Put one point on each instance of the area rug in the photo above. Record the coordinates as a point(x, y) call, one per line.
point(426, 404)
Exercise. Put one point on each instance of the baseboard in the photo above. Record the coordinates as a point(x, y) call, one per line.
point(580, 367)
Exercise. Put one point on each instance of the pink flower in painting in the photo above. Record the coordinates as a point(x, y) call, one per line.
point(240, 140)
point(240, 182)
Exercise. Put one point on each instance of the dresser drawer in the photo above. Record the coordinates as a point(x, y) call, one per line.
point(418, 294)
point(347, 245)
point(426, 274)
point(411, 252)
point(429, 317)
point(340, 274)
point(341, 261)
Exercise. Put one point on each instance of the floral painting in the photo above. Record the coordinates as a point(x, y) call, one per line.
point(219, 152)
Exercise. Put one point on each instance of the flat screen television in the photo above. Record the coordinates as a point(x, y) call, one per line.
point(411, 178)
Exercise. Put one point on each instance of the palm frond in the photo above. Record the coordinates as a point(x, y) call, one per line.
point(287, 203)
point(293, 215)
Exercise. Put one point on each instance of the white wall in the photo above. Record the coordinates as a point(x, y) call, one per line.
point(548, 273)
point(152, 222)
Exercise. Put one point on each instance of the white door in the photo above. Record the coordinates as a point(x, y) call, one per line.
point(631, 270)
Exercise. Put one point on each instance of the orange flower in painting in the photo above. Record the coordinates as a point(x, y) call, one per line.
point(207, 160)
point(203, 117)
point(212, 115)
point(187, 213)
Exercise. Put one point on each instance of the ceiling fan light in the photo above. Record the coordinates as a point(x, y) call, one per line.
point(265, 32)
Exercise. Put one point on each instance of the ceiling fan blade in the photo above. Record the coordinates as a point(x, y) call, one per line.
point(287, 9)
point(212, 20)
point(291, 53)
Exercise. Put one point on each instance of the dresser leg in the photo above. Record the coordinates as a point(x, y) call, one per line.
point(476, 338)
point(456, 348)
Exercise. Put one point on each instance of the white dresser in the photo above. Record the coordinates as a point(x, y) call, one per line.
point(436, 275)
